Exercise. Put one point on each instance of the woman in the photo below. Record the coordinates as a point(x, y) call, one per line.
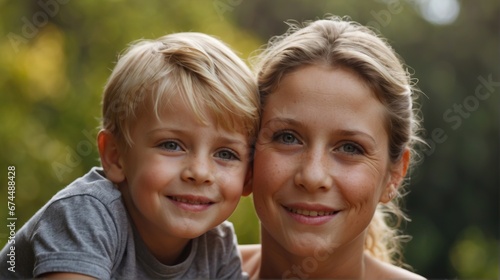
point(335, 144)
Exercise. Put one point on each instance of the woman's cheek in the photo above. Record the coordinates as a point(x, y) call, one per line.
point(358, 188)
point(266, 178)
point(269, 169)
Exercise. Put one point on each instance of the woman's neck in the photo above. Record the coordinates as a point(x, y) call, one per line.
point(342, 262)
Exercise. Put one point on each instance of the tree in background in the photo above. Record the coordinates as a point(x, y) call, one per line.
point(57, 55)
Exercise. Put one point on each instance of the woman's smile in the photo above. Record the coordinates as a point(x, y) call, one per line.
point(310, 214)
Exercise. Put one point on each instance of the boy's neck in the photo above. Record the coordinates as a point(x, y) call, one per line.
point(166, 250)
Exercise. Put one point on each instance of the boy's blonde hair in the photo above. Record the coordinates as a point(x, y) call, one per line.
point(199, 69)
point(338, 42)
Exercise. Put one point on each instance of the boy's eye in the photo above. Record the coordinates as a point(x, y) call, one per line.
point(286, 138)
point(171, 146)
point(226, 155)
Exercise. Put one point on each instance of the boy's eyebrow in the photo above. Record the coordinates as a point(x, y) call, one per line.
point(230, 140)
point(235, 141)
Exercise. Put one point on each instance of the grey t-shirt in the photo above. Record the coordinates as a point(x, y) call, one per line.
point(85, 229)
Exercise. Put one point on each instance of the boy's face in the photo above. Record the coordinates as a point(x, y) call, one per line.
point(182, 177)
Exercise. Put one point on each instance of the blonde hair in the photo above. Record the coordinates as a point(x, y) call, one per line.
point(196, 67)
point(338, 42)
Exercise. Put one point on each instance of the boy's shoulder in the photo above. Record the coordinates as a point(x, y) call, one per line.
point(93, 184)
point(219, 240)
point(221, 237)
point(224, 230)
point(88, 199)
point(77, 229)
point(216, 250)
point(91, 194)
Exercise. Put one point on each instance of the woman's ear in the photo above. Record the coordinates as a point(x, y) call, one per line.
point(397, 174)
point(247, 187)
point(110, 156)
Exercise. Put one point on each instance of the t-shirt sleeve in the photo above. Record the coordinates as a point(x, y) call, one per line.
point(76, 234)
point(231, 268)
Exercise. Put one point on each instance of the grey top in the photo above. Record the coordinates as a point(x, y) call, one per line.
point(85, 229)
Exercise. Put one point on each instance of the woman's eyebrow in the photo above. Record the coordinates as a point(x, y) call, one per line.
point(343, 132)
point(281, 120)
point(354, 132)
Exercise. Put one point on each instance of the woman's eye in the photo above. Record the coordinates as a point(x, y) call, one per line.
point(286, 138)
point(226, 155)
point(171, 146)
point(350, 148)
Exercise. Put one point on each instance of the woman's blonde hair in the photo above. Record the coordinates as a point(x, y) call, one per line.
point(199, 69)
point(338, 42)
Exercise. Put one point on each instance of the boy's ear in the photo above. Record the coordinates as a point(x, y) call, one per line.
point(110, 156)
point(398, 173)
point(247, 187)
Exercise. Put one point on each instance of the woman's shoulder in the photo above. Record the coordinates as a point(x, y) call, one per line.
point(250, 258)
point(383, 270)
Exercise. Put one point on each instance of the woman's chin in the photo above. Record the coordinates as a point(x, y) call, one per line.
point(316, 249)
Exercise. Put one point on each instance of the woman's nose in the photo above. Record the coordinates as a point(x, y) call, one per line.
point(313, 172)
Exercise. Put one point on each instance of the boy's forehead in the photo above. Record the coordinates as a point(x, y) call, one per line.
point(174, 113)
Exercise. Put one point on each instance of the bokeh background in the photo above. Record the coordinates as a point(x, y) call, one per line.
point(55, 57)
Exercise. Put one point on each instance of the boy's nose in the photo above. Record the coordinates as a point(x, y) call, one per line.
point(198, 171)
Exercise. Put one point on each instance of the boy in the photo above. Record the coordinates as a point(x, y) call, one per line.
point(178, 117)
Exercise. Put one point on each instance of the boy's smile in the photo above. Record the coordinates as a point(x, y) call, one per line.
point(191, 203)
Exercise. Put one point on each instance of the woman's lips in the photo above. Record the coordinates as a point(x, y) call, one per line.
point(310, 214)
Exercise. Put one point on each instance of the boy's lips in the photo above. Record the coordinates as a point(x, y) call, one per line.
point(191, 202)
point(190, 199)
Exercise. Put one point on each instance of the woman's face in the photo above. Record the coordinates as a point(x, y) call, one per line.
point(321, 162)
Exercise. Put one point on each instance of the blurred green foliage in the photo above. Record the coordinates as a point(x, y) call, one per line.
point(57, 54)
